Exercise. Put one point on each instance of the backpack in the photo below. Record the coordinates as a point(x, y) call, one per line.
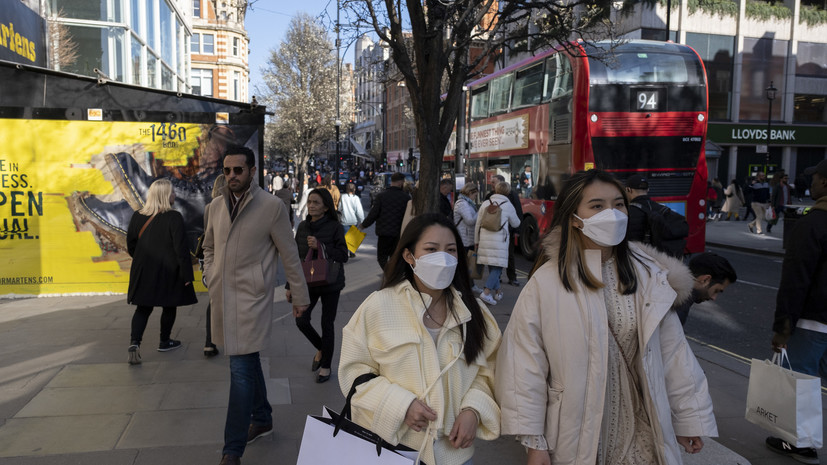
point(492, 216)
point(666, 229)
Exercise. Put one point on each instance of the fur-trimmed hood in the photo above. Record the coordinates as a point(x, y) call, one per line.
point(678, 274)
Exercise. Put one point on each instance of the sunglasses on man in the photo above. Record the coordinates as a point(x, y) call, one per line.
point(235, 169)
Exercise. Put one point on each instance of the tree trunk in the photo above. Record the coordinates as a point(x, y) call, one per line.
point(431, 149)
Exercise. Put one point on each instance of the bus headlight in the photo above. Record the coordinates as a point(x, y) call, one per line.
point(594, 118)
point(701, 117)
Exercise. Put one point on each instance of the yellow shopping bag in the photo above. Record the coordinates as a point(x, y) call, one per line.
point(354, 238)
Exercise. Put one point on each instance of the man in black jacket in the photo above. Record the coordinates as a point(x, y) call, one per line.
point(800, 323)
point(387, 211)
point(638, 189)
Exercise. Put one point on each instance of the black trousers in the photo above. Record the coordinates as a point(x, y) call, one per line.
point(141, 317)
point(511, 270)
point(208, 342)
point(327, 341)
point(385, 245)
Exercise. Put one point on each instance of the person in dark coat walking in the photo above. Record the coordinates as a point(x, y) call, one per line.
point(388, 211)
point(322, 229)
point(161, 273)
point(800, 323)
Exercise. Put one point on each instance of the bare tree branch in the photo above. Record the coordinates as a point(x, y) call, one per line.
point(431, 46)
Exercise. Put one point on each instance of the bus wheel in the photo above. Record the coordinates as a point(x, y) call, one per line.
point(529, 236)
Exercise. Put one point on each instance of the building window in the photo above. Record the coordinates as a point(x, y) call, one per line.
point(203, 44)
point(235, 46)
point(135, 18)
point(201, 82)
point(811, 60)
point(208, 44)
point(236, 84)
point(717, 53)
point(196, 8)
point(764, 61)
point(810, 109)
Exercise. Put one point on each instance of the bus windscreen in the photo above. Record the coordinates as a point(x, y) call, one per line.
point(645, 67)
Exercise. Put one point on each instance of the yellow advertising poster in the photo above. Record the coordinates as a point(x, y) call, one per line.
point(68, 190)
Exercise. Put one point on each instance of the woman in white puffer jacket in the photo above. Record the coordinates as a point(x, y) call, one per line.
point(492, 246)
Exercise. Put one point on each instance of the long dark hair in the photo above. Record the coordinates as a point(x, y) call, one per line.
point(398, 270)
point(327, 201)
point(571, 259)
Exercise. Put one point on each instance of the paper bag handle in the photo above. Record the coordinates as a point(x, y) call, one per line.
point(778, 358)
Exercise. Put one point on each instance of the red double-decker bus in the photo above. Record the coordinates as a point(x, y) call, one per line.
point(640, 109)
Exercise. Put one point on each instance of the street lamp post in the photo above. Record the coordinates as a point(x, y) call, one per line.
point(338, 124)
point(771, 91)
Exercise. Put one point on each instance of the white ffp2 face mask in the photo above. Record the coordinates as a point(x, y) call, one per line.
point(435, 270)
point(607, 228)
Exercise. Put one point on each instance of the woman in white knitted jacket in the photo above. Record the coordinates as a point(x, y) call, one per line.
point(432, 346)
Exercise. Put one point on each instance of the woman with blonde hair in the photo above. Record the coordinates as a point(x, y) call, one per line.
point(594, 367)
point(161, 272)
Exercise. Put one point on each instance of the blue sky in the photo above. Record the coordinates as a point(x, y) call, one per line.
point(267, 22)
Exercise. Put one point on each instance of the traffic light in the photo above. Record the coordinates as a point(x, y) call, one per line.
point(400, 162)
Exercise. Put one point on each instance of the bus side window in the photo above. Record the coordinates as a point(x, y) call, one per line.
point(550, 77)
point(527, 90)
point(500, 96)
point(479, 103)
point(563, 85)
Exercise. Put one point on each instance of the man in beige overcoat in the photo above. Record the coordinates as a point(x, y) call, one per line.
point(245, 232)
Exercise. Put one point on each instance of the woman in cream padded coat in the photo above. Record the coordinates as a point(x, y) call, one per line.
point(492, 246)
point(594, 366)
point(432, 345)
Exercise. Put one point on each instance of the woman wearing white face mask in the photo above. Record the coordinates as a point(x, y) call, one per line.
point(594, 366)
point(432, 345)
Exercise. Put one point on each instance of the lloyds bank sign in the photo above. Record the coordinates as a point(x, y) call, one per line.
point(755, 134)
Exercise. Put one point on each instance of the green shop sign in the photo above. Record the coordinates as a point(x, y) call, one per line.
point(756, 134)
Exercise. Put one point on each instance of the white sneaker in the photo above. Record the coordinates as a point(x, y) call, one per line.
point(487, 298)
point(499, 296)
point(476, 289)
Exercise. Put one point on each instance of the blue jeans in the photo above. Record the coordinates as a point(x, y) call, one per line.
point(807, 350)
point(248, 402)
point(493, 281)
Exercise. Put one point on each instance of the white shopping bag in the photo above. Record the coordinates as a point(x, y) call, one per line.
point(352, 445)
point(784, 402)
